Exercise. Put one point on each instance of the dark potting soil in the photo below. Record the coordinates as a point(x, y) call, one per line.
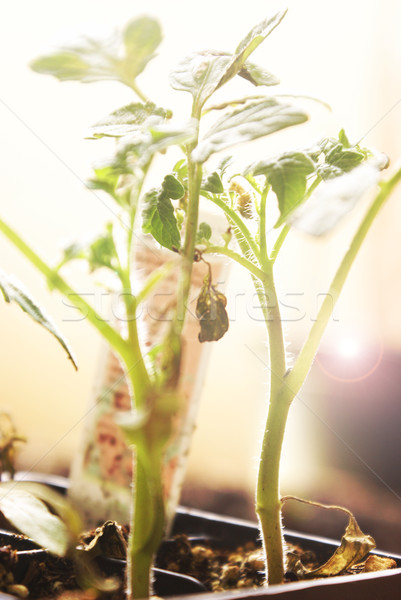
point(49, 577)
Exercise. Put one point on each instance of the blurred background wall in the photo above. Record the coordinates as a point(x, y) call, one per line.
point(348, 54)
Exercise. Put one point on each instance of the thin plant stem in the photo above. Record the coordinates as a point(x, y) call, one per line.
point(282, 395)
point(236, 220)
point(238, 258)
point(264, 258)
point(149, 501)
point(191, 227)
point(148, 497)
point(279, 242)
point(187, 255)
point(342, 509)
point(268, 504)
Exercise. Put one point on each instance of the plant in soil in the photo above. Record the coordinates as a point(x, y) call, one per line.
point(310, 189)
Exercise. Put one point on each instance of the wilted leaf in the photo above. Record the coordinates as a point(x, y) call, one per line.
point(13, 291)
point(32, 518)
point(108, 540)
point(378, 563)
point(287, 175)
point(254, 120)
point(211, 312)
point(9, 439)
point(355, 545)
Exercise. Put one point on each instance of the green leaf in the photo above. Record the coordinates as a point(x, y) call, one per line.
point(172, 187)
point(169, 133)
point(213, 184)
point(181, 170)
point(255, 37)
point(155, 136)
point(141, 38)
point(74, 251)
point(345, 159)
point(102, 251)
point(339, 154)
point(106, 179)
point(254, 120)
point(344, 139)
point(134, 151)
point(202, 73)
point(123, 57)
point(66, 65)
point(126, 120)
point(92, 61)
point(326, 171)
point(258, 75)
point(287, 175)
point(98, 253)
point(158, 215)
point(32, 518)
point(59, 504)
point(114, 180)
point(13, 291)
point(204, 233)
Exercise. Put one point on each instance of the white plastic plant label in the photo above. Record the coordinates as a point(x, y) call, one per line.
point(101, 474)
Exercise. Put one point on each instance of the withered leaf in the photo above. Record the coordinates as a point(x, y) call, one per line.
point(211, 312)
point(355, 545)
point(379, 563)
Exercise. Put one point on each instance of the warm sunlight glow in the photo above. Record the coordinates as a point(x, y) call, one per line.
point(349, 348)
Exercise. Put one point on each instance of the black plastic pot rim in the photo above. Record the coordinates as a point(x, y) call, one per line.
point(315, 585)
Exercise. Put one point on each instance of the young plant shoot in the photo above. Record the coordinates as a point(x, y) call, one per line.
point(313, 188)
